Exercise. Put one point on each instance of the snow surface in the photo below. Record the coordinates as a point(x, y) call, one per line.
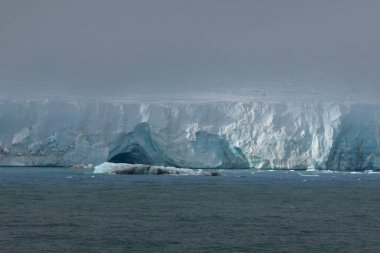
point(191, 134)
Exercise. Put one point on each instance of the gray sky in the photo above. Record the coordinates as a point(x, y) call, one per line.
point(117, 48)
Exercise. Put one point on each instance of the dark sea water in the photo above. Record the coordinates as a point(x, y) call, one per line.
point(66, 210)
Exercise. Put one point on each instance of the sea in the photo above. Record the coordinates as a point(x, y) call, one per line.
point(46, 209)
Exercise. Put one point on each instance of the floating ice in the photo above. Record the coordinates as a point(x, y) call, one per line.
point(138, 169)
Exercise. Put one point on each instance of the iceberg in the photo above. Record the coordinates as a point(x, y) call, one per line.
point(139, 169)
point(191, 134)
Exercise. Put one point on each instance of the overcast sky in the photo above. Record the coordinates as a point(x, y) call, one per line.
point(117, 48)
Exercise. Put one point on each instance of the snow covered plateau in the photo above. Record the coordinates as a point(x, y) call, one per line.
point(192, 134)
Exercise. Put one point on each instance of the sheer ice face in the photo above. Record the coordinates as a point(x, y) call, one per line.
point(291, 135)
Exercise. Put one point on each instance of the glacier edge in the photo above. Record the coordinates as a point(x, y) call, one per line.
point(196, 134)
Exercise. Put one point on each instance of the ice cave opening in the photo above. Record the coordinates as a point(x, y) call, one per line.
point(133, 154)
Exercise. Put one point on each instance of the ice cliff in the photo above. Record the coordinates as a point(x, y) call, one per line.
point(290, 135)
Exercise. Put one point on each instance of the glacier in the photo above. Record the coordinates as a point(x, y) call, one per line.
point(191, 134)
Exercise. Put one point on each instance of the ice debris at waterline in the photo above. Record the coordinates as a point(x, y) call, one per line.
point(82, 166)
point(192, 134)
point(139, 169)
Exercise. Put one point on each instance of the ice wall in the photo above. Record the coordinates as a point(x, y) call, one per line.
point(292, 135)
